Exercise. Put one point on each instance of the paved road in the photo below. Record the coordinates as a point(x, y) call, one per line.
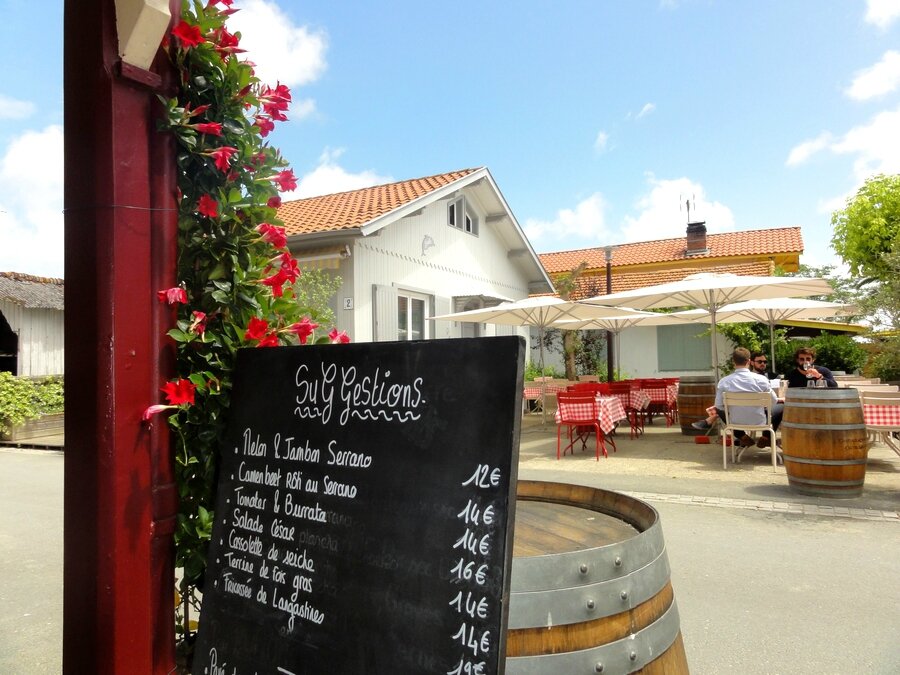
point(761, 590)
point(31, 548)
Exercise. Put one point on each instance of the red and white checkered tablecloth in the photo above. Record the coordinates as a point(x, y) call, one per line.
point(638, 399)
point(533, 391)
point(881, 415)
point(667, 395)
point(610, 411)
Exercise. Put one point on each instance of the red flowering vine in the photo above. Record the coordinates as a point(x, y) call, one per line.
point(207, 206)
point(173, 296)
point(237, 280)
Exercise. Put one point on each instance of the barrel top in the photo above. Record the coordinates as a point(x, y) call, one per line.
point(696, 378)
point(546, 528)
point(816, 394)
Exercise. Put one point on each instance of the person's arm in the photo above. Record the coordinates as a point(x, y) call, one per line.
point(829, 378)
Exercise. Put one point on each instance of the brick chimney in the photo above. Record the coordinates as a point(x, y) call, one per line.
point(696, 239)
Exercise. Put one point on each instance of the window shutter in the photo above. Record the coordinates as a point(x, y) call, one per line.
point(442, 329)
point(384, 313)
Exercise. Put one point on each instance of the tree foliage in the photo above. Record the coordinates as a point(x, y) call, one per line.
point(868, 227)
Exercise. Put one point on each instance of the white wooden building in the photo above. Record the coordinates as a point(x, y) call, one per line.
point(31, 325)
point(414, 249)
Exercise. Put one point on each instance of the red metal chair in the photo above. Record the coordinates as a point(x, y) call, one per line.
point(635, 416)
point(657, 406)
point(580, 413)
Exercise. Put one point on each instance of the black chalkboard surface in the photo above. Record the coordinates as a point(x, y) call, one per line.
point(363, 513)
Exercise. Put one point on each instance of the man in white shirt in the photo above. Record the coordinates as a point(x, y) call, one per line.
point(745, 380)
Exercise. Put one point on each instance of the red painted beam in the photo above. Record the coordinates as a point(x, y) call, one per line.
point(119, 499)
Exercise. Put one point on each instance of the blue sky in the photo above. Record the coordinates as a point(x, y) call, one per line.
point(597, 119)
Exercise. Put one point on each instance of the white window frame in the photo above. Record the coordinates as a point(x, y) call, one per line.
point(461, 215)
point(406, 332)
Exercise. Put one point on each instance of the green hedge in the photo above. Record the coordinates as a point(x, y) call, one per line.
point(24, 398)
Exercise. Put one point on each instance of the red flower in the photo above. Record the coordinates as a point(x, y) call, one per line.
point(207, 206)
point(265, 125)
point(270, 340)
point(179, 392)
point(198, 322)
point(276, 281)
point(286, 180)
point(257, 329)
point(211, 128)
point(227, 42)
point(188, 34)
point(272, 234)
point(153, 409)
point(196, 111)
point(278, 98)
point(173, 295)
point(303, 329)
point(338, 337)
point(213, 3)
point(289, 266)
point(274, 112)
point(274, 202)
point(222, 155)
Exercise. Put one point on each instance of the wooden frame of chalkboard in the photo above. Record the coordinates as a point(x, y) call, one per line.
point(364, 510)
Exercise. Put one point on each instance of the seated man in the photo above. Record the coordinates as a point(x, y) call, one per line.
point(744, 380)
point(806, 371)
point(758, 364)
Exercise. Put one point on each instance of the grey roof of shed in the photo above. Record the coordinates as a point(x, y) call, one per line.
point(32, 292)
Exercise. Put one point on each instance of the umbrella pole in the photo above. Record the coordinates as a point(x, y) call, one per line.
point(714, 350)
point(772, 344)
point(543, 383)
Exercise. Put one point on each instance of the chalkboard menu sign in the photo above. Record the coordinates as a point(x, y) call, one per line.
point(363, 513)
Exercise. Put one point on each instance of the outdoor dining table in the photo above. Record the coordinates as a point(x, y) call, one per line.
point(611, 411)
point(881, 415)
point(638, 399)
point(667, 395)
point(533, 390)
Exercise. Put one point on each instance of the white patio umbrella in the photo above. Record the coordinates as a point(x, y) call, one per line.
point(774, 311)
point(540, 311)
point(616, 324)
point(711, 291)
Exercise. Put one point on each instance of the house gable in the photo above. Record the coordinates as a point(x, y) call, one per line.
point(449, 239)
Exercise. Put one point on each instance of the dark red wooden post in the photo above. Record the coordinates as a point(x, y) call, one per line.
point(120, 248)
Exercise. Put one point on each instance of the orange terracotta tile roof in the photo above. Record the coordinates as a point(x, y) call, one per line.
point(348, 210)
point(588, 286)
point(727, 244)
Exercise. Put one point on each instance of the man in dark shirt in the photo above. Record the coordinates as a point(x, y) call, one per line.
point(805, 371)
point(759, 363)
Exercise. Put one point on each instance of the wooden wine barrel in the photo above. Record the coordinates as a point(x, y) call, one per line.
point(825, 442)
point(590, 589)
point(695, 394)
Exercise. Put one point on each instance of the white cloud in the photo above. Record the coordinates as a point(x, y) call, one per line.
point(662, 215)
point(281, 50)
point(802, 152)
point(646, 110)
point(31, 200)
point(876, 145)
point(13, 109)
point(601, 141)
point(877, 80)
point(328, 177)
point(882, 13)
point(586, 222)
